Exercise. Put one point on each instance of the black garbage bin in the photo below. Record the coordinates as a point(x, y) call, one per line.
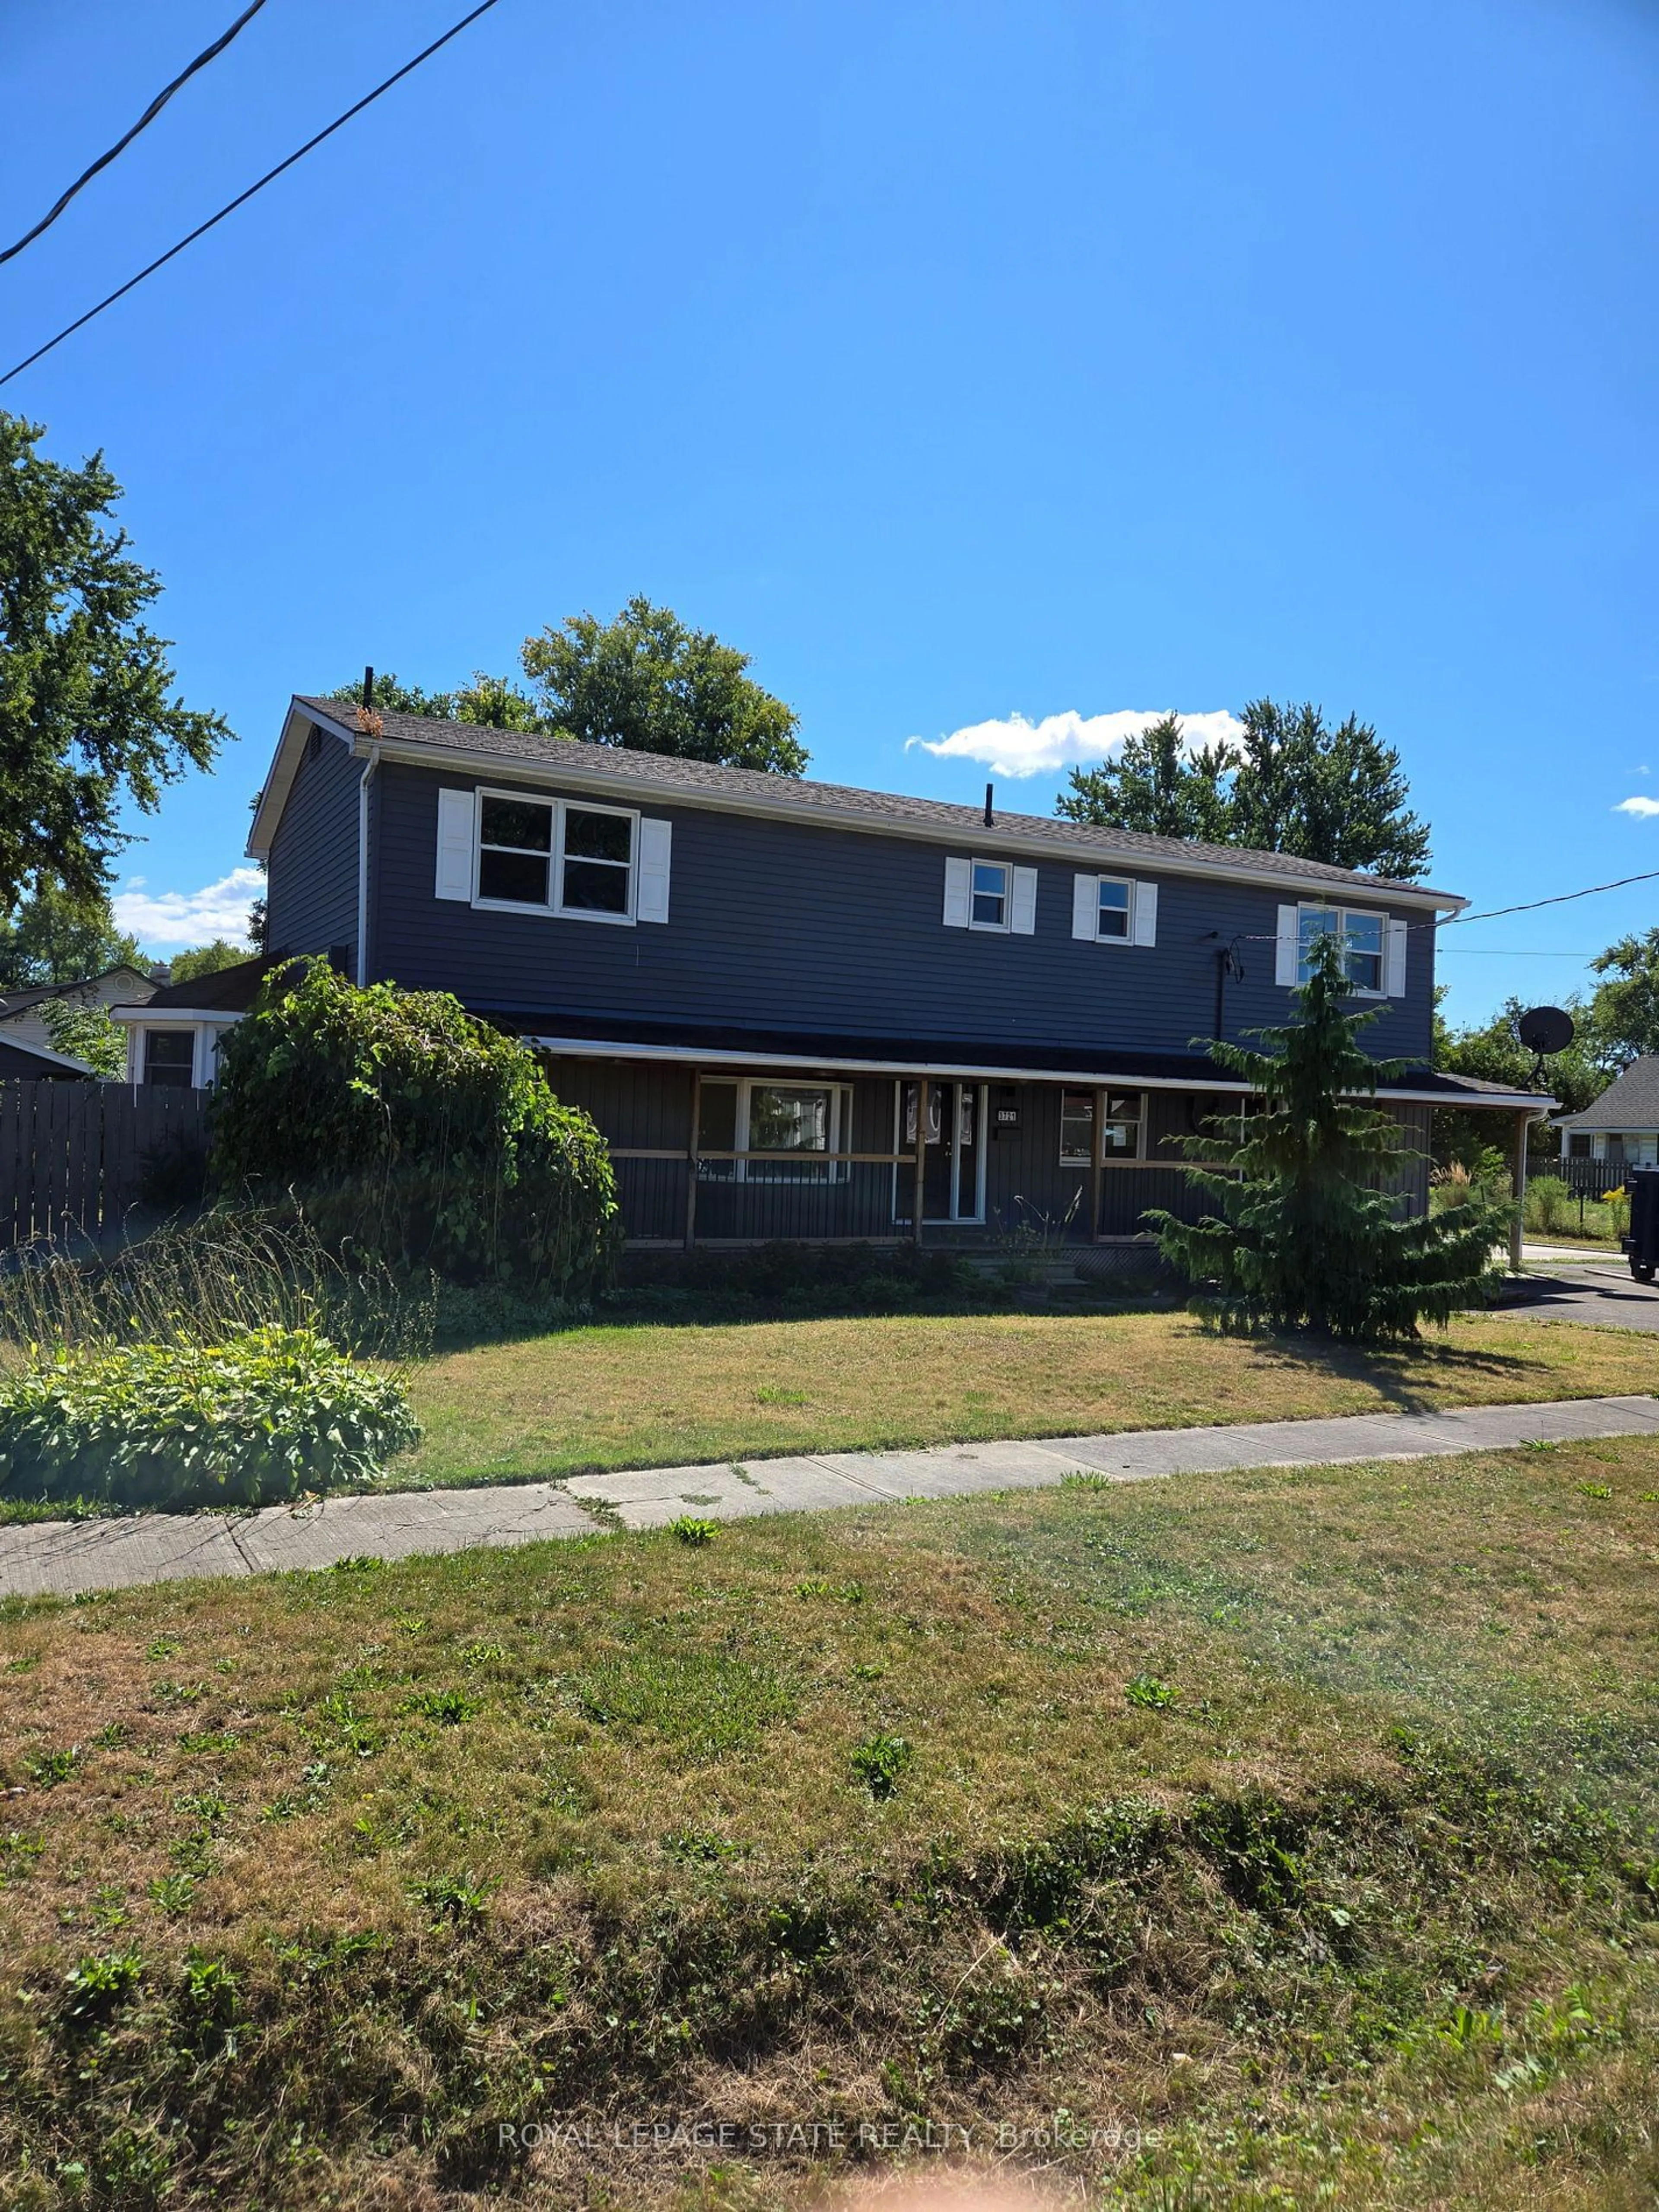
point(1641, 1247)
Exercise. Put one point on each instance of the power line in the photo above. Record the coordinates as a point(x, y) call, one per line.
point(1487, 914)
point(242, 198)
point(208, 54)
point(1561, 898)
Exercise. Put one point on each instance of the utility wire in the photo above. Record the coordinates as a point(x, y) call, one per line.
point(1561, 898)
point(1486, 913)
point(208, 54)
point(242, 198)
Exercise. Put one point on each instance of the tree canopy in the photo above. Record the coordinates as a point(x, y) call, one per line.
point(89, 718)
point(646, 681)
point(1308, 1234)
point(53, 939)
point(1156, 786)
point(1624, 1011)
point(87, 1033)
point(206, 960)
point(1290, 785)
point(643, 681)
point(495, 701)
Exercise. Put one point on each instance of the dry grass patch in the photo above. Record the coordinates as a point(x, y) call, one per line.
point(1299, 1827)
point(644, 1396)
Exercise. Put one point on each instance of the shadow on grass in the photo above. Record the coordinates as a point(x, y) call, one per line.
point(1405, 1376)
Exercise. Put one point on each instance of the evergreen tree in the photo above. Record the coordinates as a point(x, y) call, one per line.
point(1309, 1236)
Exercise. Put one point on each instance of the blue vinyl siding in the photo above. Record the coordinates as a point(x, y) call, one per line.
point(312, 892)
point(780, 925)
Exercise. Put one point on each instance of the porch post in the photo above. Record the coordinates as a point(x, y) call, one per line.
point(916, 1207)
point(1518, 1172)
point(1097, 1166)
point(691, 1159)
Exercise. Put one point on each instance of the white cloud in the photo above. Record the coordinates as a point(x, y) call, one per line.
point(1637, 805)
point(181, 918)
point(1016, 747)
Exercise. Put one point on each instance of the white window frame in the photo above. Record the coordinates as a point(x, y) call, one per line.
point(560, 809)
point(1129, 885)
point(1004, 928)
point(1343, 915)
point(832, 1170)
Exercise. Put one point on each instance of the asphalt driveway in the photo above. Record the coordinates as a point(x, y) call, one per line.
point(1600, 1292)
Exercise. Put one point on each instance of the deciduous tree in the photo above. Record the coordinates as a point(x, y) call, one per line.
point(646, 681)
point(1156, 785)
point(53, 939)
point(1290, 785)
point(89, 716)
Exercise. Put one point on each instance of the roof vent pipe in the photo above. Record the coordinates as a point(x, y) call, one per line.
point(990, 819)
point(368, 687)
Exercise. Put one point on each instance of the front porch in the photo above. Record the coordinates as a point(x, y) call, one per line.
point(746, 1149)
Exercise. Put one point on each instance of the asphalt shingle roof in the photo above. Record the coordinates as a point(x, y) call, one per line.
point(702, 779)
point(1631, 1101)
point(18, 1002)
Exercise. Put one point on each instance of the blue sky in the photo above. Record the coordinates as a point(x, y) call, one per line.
point(960, 363)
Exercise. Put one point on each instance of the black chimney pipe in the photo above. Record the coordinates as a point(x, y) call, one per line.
point(990, 819)
point(368, 687)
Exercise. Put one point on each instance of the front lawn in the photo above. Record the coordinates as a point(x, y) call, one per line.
point(654, 1396)
point(1283, 1838)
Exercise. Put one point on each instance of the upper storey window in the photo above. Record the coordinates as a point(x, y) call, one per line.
point(515, 852)
point(990, 907)
point(552, 856)
point(1362, 941)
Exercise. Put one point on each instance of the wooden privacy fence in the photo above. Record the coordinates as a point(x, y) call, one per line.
point(75, 1157)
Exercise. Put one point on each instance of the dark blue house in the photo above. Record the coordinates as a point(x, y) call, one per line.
point(786, 1003)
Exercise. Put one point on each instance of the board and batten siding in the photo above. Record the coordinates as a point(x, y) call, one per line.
point(792, 926)
point(311, 892)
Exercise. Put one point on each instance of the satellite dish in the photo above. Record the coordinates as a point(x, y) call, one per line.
point(1544, 1028)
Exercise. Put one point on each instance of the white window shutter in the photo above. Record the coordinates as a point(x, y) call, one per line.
point(1145, 915)
point(1085, 906)
point(457, 810)
point(959, 885)
point(1394, 965)
point(1288, 950)
point(651, 901)
point(1024, 915)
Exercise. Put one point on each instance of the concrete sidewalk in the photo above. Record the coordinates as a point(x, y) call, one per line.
point(61, 1557)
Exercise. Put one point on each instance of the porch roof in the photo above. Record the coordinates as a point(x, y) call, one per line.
point(950, 1058)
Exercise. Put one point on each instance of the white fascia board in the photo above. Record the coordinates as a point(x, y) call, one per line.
point(977, 1071)
point(645, 789)
point(171, 1017)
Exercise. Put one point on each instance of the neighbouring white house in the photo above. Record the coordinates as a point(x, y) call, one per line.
point(22, 1013)
point(174, 1032)
point(1622, 1126)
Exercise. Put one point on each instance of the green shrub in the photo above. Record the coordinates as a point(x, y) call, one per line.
point(1549, 1206)
point(411, 1133)
point(266, 1416)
